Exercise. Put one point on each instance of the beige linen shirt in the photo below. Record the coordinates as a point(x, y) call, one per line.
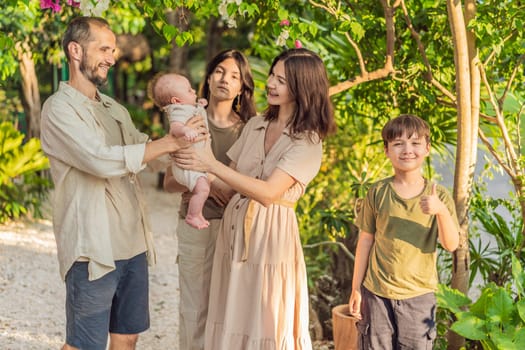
point(95, 152)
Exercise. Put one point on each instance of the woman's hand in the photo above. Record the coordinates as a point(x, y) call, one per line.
point(195, 159)
point(198, 124)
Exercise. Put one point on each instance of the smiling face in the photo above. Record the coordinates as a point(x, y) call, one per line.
point(98, 55)
point(407, 153)
point(225, 81)
point(278, 93)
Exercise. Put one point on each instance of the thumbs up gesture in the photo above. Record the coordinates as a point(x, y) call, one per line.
point(431, 204)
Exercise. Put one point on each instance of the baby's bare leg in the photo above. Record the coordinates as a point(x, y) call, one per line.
point(194, 216)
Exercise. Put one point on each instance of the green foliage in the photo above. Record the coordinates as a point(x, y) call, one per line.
point(496, 319)
point(7, 62)
point(20, 187)
point(491, 261)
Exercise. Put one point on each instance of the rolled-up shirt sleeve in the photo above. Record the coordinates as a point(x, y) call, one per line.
point(71, 136)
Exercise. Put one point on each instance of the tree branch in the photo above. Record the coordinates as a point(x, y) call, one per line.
point(341, 245)
point(421, 48)
point(364, 75)
point(495, 154)
point(518, 66)
point(500, 120)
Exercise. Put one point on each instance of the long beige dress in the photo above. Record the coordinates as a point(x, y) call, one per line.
point(259, 295)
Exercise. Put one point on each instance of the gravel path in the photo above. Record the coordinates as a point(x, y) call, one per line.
point(32, 294)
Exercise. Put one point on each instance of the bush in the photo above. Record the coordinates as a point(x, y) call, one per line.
point(21, 188)
point(497, 319)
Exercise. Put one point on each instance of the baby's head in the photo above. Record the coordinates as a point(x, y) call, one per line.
point(170, 88)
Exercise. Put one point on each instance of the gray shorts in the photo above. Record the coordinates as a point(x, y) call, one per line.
point(397, 324)
point(115, 303)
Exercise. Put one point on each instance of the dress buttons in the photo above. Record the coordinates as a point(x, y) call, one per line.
point(237, 206)
point(233, 227)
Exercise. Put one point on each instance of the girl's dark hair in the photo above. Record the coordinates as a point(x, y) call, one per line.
point(79, 30)
point(246, 97)
point(308, 83)
point(405, 123)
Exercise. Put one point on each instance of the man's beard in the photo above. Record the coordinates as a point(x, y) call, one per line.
point(90, 73)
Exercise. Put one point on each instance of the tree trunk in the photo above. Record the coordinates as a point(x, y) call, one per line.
point(29, 90)
point(467, 108)
point(178, 61)
point(213, 37)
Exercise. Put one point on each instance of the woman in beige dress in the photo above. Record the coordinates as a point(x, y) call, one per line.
point(259, 295)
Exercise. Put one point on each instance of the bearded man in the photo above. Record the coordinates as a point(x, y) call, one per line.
point(103, 238)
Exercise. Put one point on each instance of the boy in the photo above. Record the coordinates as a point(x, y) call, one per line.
point(174, 95)
point(402, 218)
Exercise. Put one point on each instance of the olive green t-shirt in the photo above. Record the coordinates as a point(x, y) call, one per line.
point(402, 261)
point(221, 141)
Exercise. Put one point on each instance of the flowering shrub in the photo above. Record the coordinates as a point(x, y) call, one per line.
point(87, 7)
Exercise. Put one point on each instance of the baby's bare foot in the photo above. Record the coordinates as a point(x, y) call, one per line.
point(197, 221)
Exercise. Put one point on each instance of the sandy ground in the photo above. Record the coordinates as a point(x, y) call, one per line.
point(32, 294)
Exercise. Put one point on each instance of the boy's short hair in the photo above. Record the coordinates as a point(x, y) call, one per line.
point(405, 123)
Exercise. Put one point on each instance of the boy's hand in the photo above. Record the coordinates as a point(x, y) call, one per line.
point(432, 205)
point(354, 304)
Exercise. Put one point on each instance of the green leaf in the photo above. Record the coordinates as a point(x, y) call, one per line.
point(520, 305)
point(451, 299)
point(469, 326)
point(480, 306)
point(504, 340)
point(169, 32)
point(500, 306)
point(519, 338)
point(183, 38)
point(518, 275)
point(357, 30)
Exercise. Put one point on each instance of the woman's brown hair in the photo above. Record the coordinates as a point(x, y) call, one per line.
point(308, 83)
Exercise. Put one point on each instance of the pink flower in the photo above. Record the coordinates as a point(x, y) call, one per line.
point(74, 3)
point(284, 22)
point(50, 4)
point(298, 44)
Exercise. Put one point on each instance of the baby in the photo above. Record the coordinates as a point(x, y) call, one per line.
point(174, 95)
